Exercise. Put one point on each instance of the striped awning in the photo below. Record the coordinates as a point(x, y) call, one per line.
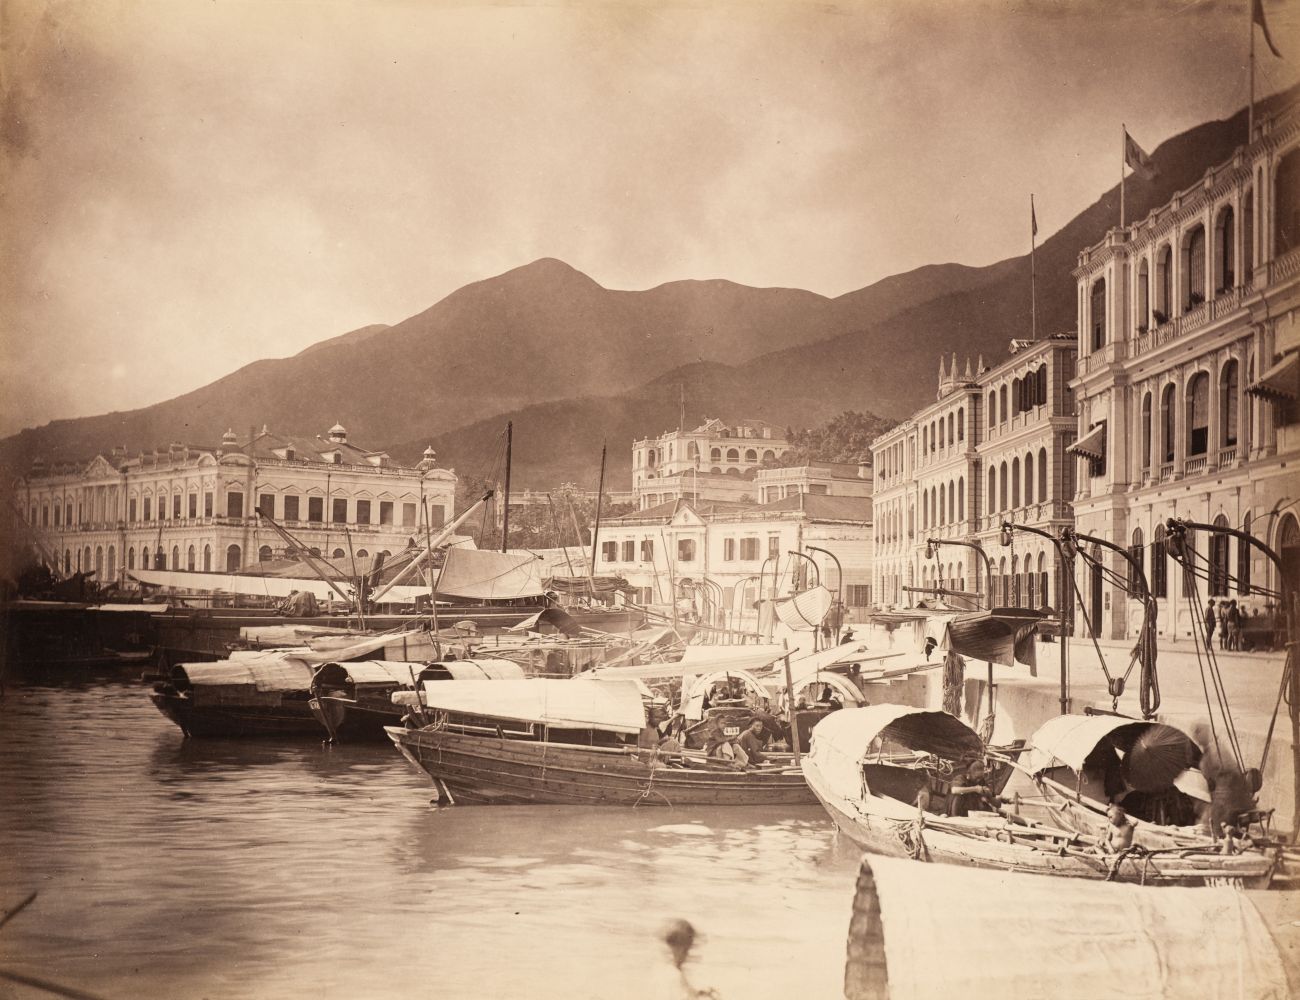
point(1280, 382)
point(1092, 444)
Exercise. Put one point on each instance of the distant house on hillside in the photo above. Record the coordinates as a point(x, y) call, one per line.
point(193, 507)
point(715, 461)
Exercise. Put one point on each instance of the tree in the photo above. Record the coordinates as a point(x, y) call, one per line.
point(846, 437)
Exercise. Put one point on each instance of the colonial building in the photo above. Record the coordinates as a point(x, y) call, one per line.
point(1188, 380)
point(836, 479)
point(991, 448)
point(192, 507)
point(720, 553)
point(715, 461)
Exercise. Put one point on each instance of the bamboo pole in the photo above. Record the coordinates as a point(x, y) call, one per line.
point(789, 702)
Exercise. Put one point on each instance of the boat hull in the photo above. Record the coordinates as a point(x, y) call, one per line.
point(886, 827)
point(483, 769)
point(287, 718)
point(348, 721)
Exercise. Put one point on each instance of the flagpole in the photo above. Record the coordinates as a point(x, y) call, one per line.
point(1033, 281)
point(1250, 113)
point(1123, 153)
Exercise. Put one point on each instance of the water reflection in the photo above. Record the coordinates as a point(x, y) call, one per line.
point(275, 869)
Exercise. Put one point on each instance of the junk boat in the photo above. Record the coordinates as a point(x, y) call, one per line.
point(896, 780)
point(354, 701)
point(578, 741)
point(267, 692)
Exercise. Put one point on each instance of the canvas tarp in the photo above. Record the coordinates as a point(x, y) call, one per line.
point(698, 660)
point(611, 705)
point(265, 672)
point(257, 586)
point(960, 932)
point(482, 575)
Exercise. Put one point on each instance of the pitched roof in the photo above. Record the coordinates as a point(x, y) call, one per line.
point(823, 508)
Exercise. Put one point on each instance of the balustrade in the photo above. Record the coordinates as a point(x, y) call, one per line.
point(1195, 465)
point(1227, 457)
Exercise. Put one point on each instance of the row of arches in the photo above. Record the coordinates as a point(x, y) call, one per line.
point(1005, 482)
point(942, 505)
point(1160, 428)
point(944, 432)
point(1019, 396)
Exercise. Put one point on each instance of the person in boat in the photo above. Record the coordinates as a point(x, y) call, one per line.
point(1236, 839)
point(718, 744)
point(751, 742)
point(971, 790)
point(1118, 836)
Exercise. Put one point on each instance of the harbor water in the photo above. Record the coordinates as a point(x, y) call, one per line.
point(225, 869)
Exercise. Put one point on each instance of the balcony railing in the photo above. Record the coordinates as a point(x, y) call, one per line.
point(1227, 457)
point(1166, 472)
point(1285, 266)
point(1195, 465)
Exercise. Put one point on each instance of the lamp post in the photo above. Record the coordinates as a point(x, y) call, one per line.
point(933, 543)
point(1064, 561)
point(839, 580)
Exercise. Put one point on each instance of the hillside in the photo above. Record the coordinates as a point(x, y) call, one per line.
point(572, 362)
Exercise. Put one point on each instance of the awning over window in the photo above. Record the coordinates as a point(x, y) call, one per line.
point(1282, 381)
point(1092, 444)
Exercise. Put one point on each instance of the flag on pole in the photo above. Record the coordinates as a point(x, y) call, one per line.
point(1033, 218)
point(1135, 156)
point(1257, 16)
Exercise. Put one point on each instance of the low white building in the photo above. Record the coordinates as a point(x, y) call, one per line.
point(720, 555)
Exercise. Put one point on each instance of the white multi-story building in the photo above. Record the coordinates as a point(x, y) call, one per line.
point(991, 448)
point(715, 461)
point(731, 550)
point(835, 479)
point(1189, 372)
point(193, 508)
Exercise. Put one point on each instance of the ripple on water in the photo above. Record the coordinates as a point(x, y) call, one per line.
point(272, 869)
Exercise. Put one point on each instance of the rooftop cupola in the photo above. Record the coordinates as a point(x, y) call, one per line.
point(429, 460)
point(339, 434)
point(228, 439)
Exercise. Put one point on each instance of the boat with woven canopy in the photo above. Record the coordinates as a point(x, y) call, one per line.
point(897, 781)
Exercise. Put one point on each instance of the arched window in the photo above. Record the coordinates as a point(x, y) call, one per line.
point(1042, 475)
point(1015, 482)
point(1194, 268)
point(925, 440)
point(130, 557)
point(1159, 563)
point(1164, 285)
point(1168, 421)
point(338, 554)
point(1146, 432)
point(733, 454)
point(993, 408)
point(769, 455)
point(176, 557)
point(1044, 596)
point(1198, 414)
point(1015, 581)
point(1143, 297)
point(144, 558)
point(961, 499)
point(207, 558)
point(234, 559)
point(1228, 384)
point(1243, 559)
point(1004, 414)
point(1003, 584)
point(952, 501)
point(1248, 234)
point(1225, 251)
point(751, 455)
point(951, 421)
point(1219, 559)
point(715, 455)
point(67, 561)
point(961, 423)
point(1002, 486)
point(991, 505)
point(111, 566)
point(1135, 550)
point(1029, 478)
point(264, 554)
point(1287, 186)
point(1097, 315)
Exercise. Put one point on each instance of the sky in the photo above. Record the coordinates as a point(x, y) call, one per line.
point(187, 187)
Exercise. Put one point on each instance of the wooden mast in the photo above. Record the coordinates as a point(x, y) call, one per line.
point(505, 507)
point(595, 534)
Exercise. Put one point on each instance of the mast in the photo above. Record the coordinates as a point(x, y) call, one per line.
point(1123, 154)
point(505, 516)
point(1033, 274)
point(595, 534)
point(1250, 114)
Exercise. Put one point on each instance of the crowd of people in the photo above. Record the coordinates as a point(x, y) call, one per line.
point(1237, 629)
